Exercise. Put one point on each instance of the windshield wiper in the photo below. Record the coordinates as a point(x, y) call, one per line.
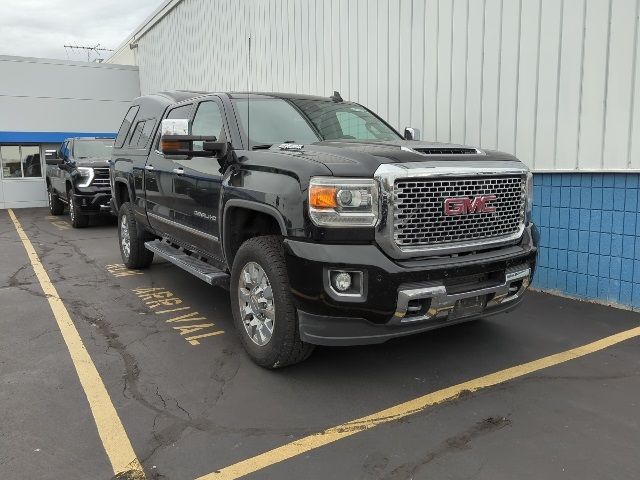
point(265, 146)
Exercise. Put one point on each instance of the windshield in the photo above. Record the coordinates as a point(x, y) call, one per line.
point(274, 121)
point(92, 148)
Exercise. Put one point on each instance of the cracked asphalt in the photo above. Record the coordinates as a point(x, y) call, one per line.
point(190, 410)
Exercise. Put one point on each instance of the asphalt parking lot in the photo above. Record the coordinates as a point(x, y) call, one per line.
point(193, 405)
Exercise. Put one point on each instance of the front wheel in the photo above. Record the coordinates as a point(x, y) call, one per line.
point(56, 207)
point(131, 238)
point(78, 220)
point(263, 311)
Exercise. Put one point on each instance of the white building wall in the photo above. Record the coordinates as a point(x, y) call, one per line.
point(42, 95)
point(43, 101)
point(554, 81)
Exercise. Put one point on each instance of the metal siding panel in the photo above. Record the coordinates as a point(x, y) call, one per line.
point(618, 98)
point(405, 66)
point(394, 64)
point(459, 70)
point(445, 32)
point(491, 74)
point(344, 47)
point(528, 75)
point(634, 128)
point(509, 59)
point(469, 74)
point(548, 83)
point(417, 57)
point(594, 84)
point(362, 93)
point(570, 81)
point(474, 71)
point(430, 69)
point(383, 54)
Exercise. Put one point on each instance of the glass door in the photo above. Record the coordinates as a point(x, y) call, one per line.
point(20, 161)
point(22, 176)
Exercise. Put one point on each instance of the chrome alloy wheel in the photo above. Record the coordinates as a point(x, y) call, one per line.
point(257, 308)
point(125, 238)
point(72, 209)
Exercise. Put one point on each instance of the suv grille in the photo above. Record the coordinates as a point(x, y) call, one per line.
point(419, 218)
point(101, 177)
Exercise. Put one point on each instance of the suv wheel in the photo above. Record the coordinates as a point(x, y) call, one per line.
point(263, 311)
point(131, 238)
point(78, 220)
point(56, 207)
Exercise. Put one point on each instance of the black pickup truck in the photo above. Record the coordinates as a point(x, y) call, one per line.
point(79, 178)
point(326, 224)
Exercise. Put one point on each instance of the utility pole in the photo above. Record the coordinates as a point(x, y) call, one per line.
point(88, 48)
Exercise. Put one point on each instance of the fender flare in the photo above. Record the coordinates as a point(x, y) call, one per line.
point(258, 207)
point(126, 183)
point(249, 205)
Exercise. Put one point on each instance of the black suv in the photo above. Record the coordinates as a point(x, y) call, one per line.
point(79, 178)
point(327, 225)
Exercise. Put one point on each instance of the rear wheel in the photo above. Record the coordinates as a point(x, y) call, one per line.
point(131, 238)
point(56, 207)
point(78, 220)
point(263, 311)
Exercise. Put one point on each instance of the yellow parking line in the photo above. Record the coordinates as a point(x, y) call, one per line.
point(112, 434)
point(303, 445)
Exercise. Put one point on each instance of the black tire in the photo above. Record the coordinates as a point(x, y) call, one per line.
point(56, 207)
point(138, 256)
point(78, 220)
point(285, 346)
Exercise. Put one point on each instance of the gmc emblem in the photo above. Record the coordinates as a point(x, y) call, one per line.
point(464, 205)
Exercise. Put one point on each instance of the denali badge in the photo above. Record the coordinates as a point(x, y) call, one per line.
point(461, 206)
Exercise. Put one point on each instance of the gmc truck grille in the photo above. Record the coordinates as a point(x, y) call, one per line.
point(101, 177)
point(420, 219)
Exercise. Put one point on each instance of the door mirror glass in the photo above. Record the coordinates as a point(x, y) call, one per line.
point(174, 126)
point(411, 133)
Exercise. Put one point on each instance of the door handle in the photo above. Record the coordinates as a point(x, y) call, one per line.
point(149, 167)
point(178, 171)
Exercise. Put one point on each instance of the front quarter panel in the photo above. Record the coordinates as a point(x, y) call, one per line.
point(277, 181)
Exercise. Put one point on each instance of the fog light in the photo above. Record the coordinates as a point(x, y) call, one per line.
point(342, 281)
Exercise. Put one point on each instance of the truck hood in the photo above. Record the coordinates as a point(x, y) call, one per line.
point(362, 158)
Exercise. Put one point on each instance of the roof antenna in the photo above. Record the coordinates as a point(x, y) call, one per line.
point(249, 95)
point(336, 97)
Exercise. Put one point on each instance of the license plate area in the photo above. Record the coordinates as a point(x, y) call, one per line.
point(467, 307)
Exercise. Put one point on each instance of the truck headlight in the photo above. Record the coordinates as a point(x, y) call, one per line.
point(343, 202)
point(84, 176)
point(529, 207)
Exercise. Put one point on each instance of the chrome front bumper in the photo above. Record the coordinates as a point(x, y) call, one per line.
point(431, 301)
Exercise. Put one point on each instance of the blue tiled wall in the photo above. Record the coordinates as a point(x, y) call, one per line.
point(589, 235)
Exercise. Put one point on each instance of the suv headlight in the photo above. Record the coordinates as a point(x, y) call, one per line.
point(529, 207)
point(343, 202)
point(84, 176)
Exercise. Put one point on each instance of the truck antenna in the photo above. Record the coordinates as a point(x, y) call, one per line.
point(249, 95)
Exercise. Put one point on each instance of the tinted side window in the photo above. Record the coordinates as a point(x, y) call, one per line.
point(180, 112)
point(126, 125)
point(146, 132)
point(137, 132)
point(208, 120)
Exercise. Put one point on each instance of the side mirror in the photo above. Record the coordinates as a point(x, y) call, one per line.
point(411, 133)
point(176, 141)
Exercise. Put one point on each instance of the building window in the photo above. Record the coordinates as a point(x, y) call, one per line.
point(20, 161)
